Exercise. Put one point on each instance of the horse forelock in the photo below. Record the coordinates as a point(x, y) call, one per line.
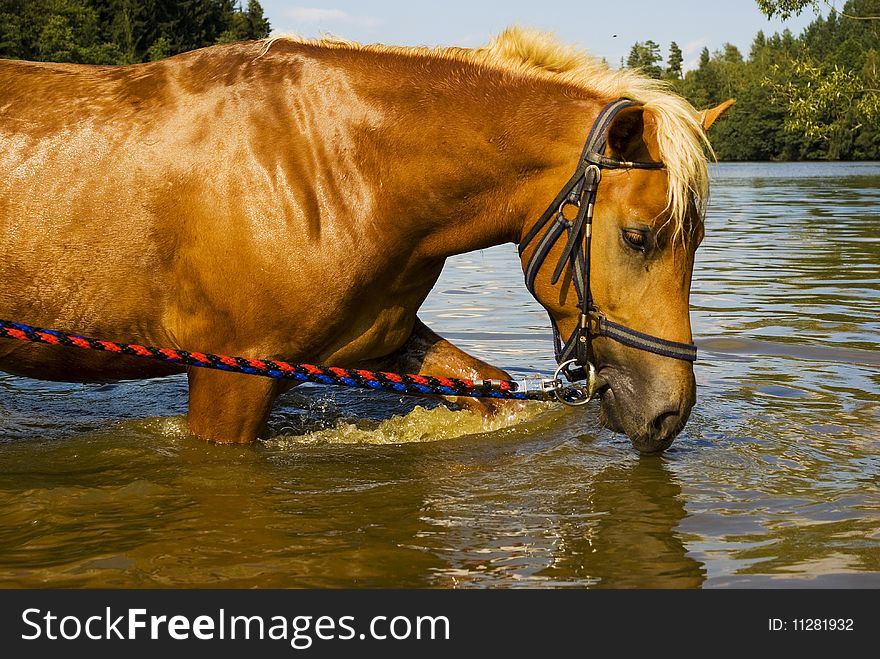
point(681, 139)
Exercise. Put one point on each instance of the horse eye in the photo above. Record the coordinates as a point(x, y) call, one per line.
point(635, 239)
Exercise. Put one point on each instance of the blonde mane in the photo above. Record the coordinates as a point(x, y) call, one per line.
point(682, 141)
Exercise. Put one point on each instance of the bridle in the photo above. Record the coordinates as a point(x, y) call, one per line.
point(580, 193)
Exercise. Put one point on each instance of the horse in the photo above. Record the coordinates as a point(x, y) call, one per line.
point(296, 199)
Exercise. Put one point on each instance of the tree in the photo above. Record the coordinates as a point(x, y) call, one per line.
point(704, 57)
point(674, 62)
point(787, 8)
point(258, 24)
point(160, 49)
point(829, 93)
point(703, 85)
point(758, 45)
point(646, 57)
point(122, 31)
point(250, 24)
point(788, 81)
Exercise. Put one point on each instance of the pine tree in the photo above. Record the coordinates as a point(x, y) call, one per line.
point(674, 62)
point(258, 25)
point(250, 24)
point(646, 57)
point(704, 58)
point(122, 31)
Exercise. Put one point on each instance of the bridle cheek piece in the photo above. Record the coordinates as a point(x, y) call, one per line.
point(580, 193)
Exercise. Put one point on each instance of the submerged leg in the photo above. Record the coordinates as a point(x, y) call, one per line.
point(232, 407)
point(229, 407)
point(427, 353)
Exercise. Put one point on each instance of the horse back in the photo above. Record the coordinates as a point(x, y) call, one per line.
point(98, 172)
point(148, 203)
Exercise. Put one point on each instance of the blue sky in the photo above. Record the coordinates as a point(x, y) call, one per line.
point(606, 28)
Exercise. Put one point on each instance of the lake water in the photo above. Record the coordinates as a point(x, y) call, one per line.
point(775, 482)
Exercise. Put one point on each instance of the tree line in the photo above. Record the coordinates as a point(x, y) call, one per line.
point(122, 31)
point(811, 97)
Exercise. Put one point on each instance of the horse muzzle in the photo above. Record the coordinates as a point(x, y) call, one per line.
point(651, 416)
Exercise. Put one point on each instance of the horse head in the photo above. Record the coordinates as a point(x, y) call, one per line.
point(622, 236)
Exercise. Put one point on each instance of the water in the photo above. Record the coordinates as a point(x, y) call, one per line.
point(774, 482)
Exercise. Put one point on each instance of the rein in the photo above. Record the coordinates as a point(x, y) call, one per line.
point(530, 388)
point(580, 193)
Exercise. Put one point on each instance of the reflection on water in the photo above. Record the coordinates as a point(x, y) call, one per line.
point(774, 483)
point(639, 507)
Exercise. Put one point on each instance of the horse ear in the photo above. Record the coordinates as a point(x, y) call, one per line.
point(709, 117)
point(626, 139)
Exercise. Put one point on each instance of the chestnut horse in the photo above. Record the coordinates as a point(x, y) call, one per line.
point(297, 199)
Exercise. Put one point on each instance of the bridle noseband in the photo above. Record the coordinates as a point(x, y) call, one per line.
point(580, 193)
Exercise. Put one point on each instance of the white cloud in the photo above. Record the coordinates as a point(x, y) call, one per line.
point(314, 14)
point(319, 15)
point(693, 46)
point(691, 53)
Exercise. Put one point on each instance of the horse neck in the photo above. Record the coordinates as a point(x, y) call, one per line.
point(474, 154)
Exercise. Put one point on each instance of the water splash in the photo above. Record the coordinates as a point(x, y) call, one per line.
point(425, 425)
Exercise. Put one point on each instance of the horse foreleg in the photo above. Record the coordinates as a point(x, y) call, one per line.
point(427, 353)
point(229, 407)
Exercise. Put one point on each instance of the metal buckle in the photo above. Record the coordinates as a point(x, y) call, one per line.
point(595, 320)
point(545, 386)
point(575, 395)
point(560, 212)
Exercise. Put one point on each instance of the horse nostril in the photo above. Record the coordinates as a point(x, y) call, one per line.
point(666, 423)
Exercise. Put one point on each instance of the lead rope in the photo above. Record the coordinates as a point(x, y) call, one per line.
point(530, 388)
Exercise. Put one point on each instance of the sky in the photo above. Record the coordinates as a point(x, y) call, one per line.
point(605, 28)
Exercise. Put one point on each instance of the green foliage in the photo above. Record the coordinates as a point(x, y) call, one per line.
point(674, 62)
point(786, 8)
point(828, 82)
point(122, 31)
point(815, 96)
point(646, 56)
point(160, 49)
point(250, 24)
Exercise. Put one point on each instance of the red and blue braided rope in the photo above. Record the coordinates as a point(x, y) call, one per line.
point(401, 383)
